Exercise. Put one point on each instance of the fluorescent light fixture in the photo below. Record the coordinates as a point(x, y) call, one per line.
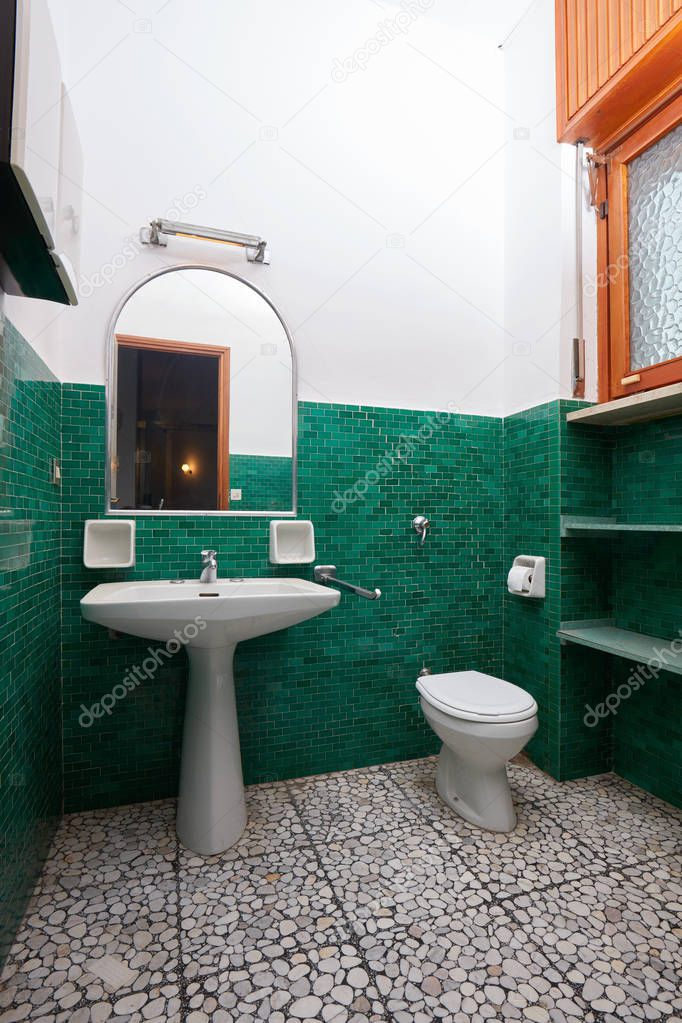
point(257, 250)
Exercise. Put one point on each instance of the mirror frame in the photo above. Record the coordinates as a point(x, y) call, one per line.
point(111, 385)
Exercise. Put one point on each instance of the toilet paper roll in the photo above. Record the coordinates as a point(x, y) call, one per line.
point(518, 580)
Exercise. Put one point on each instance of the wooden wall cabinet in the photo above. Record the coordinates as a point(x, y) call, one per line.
point(618, 61)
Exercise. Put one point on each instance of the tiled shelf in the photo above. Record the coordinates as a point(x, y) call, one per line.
point(637, 408)
point(582, 525)
point(633, 646)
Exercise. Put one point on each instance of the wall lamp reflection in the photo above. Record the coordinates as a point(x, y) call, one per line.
point(257, 250)
point(186, 468)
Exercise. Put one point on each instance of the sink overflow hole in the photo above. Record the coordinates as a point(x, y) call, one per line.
point(209, 594)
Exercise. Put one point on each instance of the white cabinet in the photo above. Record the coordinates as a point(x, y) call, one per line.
point(69, 192)
point(41, 163)
point(36, 114)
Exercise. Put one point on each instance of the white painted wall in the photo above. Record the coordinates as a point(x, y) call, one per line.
point(38, 323)
point(540, 253)
point(380, 194)
point(378, 146)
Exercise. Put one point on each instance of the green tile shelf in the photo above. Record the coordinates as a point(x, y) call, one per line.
point(635, 408)
point(633, 646)
point(585, 525)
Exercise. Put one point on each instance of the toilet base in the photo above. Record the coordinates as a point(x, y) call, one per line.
point(479, 795)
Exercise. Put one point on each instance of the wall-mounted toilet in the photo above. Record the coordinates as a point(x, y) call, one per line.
point(483, 722)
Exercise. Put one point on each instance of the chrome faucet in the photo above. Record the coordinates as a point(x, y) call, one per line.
point(420, 524)
point(209, 567)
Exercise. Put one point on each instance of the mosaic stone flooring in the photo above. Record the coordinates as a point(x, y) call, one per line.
point(359, 897)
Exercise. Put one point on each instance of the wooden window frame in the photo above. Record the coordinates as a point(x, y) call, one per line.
point(613, 311)
point(223, 356)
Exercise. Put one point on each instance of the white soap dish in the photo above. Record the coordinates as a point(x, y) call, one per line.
point(292, 542)
point(109, 543)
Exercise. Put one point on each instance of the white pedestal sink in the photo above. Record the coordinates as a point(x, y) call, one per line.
point(209, 619)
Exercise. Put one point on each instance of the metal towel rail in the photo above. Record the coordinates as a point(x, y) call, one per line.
point(327, 574)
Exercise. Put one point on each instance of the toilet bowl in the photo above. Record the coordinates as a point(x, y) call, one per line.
point(483, 722)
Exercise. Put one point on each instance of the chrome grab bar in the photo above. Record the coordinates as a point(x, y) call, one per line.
point(327, 574)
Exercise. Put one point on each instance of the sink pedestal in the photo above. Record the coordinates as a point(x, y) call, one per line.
point(211, 807)
point(214, 618)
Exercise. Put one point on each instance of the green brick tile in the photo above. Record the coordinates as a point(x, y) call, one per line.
point(30, 699)
point(331, 693)
point(531, 651)
point(633, 474)
point(338, 691)
point(265, 482)
point(492, 489)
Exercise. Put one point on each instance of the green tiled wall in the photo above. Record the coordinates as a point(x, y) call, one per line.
point(646, 582)
point(585, 458)
point(647, 734)
point(265, 482)
point(332, 693)
point(634, 474)
point(337, 691)
point(30, 723)
point(647, 471)
point(531, 526)
point(551, 468)
point(493, 489)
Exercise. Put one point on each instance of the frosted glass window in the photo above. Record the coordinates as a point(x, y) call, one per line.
point(655, 256)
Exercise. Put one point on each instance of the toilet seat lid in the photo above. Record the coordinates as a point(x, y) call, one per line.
point(473, 696)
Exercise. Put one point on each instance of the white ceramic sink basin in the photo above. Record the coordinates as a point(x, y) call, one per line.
point(209, 619)
point(215, 614)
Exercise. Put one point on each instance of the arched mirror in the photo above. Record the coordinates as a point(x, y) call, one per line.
point(201, 397)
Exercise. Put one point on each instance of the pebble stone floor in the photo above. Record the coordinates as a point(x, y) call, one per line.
point(359, 897)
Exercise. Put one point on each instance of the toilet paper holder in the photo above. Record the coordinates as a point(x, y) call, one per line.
point(527, 576)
